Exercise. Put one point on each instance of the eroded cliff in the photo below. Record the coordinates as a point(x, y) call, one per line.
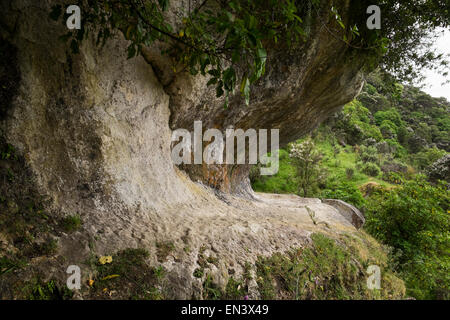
point(93, 132)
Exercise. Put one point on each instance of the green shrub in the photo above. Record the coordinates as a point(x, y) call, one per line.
point(392, 115)
point(423, 130)
point(414, 219)
point(393, 177)
point(356, 111)
point(427, 157)
point(398, 150)
point(354, 123)
point(371, 131)
point(345, 191)
point(403, 135)
point(388, 129)
point(368, 154)
point(371, 169)
point(370, 89)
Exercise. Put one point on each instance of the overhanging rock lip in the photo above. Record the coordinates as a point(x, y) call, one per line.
point(348, 211)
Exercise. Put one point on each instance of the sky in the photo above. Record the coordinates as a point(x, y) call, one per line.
point(433, 81)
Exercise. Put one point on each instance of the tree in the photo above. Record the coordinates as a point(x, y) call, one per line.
point(229, 40)
point(406, 36)
point(306, 159)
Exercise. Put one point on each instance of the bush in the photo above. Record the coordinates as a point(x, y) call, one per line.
point(388, 129)
point(427, 157)
point(371, 169)
point(413, 219)
point(345, 191)
point(391, 115)
point(393, 177)
point(354, 123)
point(403, 135)
point(369, 154)
point(306, 159)
point(370, 131)
point(397, 149)
point(394, 166)
point(370, 89)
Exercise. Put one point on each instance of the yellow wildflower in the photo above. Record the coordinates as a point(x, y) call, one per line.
point(105, 259)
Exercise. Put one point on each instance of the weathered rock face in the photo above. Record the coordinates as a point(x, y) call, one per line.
point(95, 131)
point(87, 123)
point(301, 88)
point(349, 212)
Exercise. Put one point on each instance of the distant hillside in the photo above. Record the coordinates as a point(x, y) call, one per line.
point(427, 119)
point(378, 153)
point(388, 133)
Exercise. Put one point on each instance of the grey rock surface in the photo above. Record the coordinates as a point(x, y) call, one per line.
point(349, 212)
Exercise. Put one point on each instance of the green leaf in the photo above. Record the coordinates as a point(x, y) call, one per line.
point(236, 56)
point(204, 62)
point(245, 89)
point(251, 22)
point(131, 51)
point(229, 79)
point(164, 4)
point(262, 54)
point(128, 33)
point(219, 89)
point(298, 18)
point(252, 39)
point(226, 101)
point(260, 64)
